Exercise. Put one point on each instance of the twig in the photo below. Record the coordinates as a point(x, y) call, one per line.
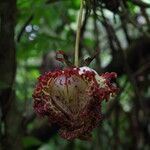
point(83, 28)
point(53, 1)
point(125, 29)
point(143, 68)
point(97, 41)
point(146, 17)
point(111, 33)
point(90, 59)
point(140, 3)
point(23, 28)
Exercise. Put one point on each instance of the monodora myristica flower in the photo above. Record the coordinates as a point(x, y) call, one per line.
point(71, 98)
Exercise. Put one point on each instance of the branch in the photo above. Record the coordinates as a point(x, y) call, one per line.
point(23, 28)
point(88, 60)
point(53, 1)
point(140, 3)
point(112, 37)
point(97, 41)
point(142, 69)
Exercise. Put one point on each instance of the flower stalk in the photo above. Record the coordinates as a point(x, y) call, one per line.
point(79, 23)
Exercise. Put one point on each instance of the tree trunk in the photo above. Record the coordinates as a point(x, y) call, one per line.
point(9, 117)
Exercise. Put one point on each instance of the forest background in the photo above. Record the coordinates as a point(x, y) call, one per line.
point(30, 34)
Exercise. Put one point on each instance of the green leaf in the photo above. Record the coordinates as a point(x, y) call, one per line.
point(89, 42)
point(76, 4)
point(30, 141)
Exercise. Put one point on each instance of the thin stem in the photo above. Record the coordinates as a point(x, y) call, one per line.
point(76, 57)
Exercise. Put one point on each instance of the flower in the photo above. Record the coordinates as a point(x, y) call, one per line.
point(71, 98)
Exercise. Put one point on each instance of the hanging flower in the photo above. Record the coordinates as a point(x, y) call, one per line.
point(71, 98)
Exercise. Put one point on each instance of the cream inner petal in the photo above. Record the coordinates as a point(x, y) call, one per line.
point(70, 93)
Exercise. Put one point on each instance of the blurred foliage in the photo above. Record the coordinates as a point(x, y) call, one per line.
point(52, 27)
